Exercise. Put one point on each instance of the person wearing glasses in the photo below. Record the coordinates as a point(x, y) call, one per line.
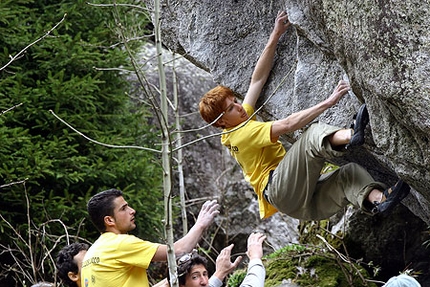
point(117, 258)
point(291, 182)
point(69, 263)
point(192, 267)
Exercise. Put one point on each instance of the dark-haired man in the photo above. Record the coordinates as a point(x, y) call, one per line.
point(119, 259)
point(192, 268)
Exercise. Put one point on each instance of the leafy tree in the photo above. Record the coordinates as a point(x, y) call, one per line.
point(61, 168)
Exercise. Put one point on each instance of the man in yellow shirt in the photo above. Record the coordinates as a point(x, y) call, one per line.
point(119, 259)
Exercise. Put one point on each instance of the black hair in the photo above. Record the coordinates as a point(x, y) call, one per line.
point(185, 268)
point(101, 205)
point(65, 262)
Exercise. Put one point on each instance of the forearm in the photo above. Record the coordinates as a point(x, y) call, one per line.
point(297, 120)
point(220, 275)
point(215, 281)
point(256, 274)
point(265, 61)
point(190, 240)
point(302, 118)
point(262, 70)
point(205, 218)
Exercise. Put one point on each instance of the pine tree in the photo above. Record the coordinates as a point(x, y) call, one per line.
point(62, 169)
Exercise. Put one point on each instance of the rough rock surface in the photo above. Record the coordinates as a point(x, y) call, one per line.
point(392, 243)
point(209, 170)
point(382, 47)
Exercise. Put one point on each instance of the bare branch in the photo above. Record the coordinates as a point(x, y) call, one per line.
point(14, 230)
point(131, 39)
point(29, 242)
point(200, 128)
point(5, 111)
point(29, 256)
point(113, 69)
point(120, 5)
point(13, 183)
point(141, 78)
point(100, 143)
point(20, 53)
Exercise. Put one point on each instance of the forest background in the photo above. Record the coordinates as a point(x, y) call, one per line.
point(48, 172)
point(79, 71)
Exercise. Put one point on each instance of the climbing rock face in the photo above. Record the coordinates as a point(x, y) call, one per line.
point(209, 170)
point(381, 47)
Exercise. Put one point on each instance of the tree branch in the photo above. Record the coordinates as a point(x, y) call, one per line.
point(100, 143)
point(13, 58)
point(5, 111)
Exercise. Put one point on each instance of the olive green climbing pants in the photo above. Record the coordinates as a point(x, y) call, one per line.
point(298, 189)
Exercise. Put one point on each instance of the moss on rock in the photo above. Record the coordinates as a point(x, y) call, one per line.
point(309, 267)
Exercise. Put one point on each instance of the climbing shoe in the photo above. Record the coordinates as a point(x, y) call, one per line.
point(361, 121)
point(391, 197)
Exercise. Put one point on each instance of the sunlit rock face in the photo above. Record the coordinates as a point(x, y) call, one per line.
point(382, 47)
point(209, 171)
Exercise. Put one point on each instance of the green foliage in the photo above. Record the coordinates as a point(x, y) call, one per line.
point(307, 266)
point(236, 278)
point(309, 231)
point(61, 168)
point(288, 248)
point(318, 260)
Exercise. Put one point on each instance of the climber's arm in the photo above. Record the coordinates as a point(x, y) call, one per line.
point(265, 62)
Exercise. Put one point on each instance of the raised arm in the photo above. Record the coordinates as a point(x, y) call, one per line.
point(206, 216)
point(256, 272)
point(265, 62)
point(223, 265)
point(299, 119)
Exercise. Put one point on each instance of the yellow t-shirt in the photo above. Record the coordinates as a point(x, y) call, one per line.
point(257, 155)
point(117, 260)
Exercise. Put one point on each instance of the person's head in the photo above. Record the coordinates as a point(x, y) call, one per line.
point(192, 270)
point(213, 105)
point(69, 263)
point(109, 211)
point(403, 280)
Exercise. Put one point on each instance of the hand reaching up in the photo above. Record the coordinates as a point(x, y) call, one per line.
point(223, 264)
point(281, 23)
point(207, 213)
point(255, 245)
point(341, 89)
